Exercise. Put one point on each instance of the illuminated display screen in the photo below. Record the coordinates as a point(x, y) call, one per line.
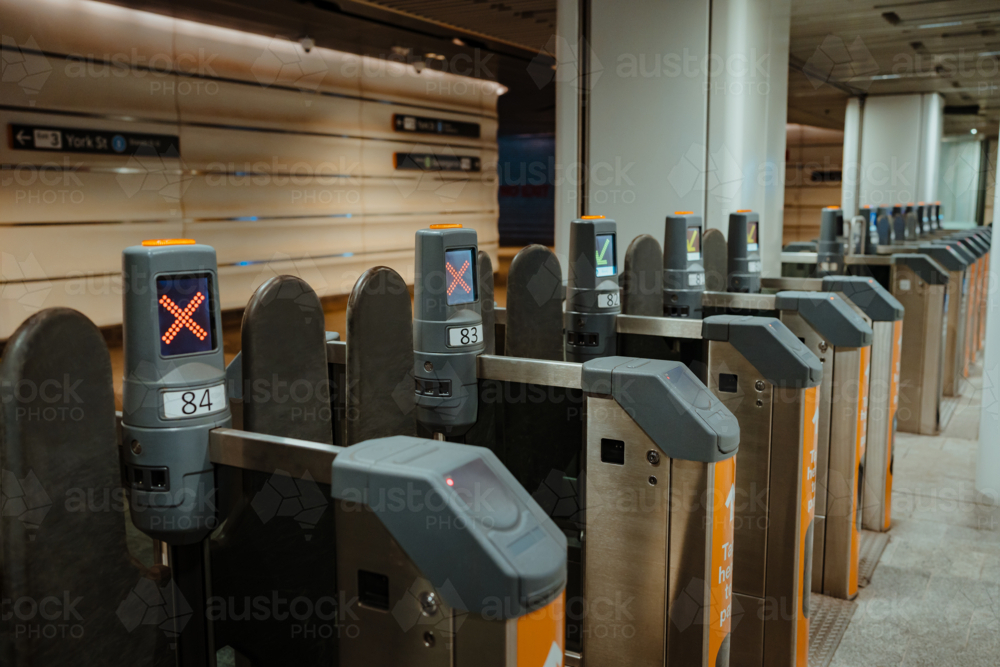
point(606, 260)
point(693, 243)
point(460, 266)
point(751, 236)
point(184, 306)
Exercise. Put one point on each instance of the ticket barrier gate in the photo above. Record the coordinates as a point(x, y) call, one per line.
point(978, 242)
point(632, 448)
point(911, 277)
point(768, 378)
point(885, 313)
point(841, 338)
point(919, 284)
point(517, 552)
point(957, 262)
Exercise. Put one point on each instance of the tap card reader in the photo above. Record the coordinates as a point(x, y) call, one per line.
point(445, 558)
point(447, 328)
point(174, 389)
point(593, 299)
point(744, 252)
point(683, 266)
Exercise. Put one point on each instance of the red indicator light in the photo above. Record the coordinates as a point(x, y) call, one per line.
point(449, 481)
point(182, 318)
point(456, 278)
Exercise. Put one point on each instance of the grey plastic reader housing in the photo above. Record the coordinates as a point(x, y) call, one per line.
point(461, 517)
point(743, 263)
point(683, 269)
point(446, 384)
point(669, 403)
point(592, 302)
point(829, 315)
point(926, 268)
point(875, 301)
point(170, 480)
point(770, 347)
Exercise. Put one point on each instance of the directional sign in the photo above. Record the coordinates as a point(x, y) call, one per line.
point(430, 162)
point(78, 140)
point(423, 125)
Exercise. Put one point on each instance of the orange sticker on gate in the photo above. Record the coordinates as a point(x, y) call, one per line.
point(807, 513)
point(860, 447)
point(541, 635)
point(721, 570)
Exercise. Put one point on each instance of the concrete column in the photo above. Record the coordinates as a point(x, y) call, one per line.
point(852, 156)
point(682, 107)
point(900, 149)
point(932, 118)
point(988, 469)
point(567, 45)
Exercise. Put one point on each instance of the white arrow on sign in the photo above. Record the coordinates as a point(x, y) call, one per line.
point(22, 138)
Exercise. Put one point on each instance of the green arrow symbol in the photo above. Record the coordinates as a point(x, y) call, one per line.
point(600, 257)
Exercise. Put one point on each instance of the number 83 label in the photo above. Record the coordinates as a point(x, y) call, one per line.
point(463, 336)
point(194, 402)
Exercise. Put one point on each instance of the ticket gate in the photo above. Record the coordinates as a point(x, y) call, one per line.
point(919, 284)
point(769, 379)
point(957, 262)
point(623, 477)
point(501, 605)
point(841, 338)
point(886, 316)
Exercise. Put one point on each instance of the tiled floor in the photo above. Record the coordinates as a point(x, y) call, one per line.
point(935, 597)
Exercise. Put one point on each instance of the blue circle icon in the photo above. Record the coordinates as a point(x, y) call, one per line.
point(118, 143)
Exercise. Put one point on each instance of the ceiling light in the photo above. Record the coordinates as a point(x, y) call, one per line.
point(987, 54)
point(883, 77)
point(973, 131)
point(947, 24)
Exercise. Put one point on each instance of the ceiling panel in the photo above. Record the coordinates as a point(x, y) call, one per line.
point(844, 47)
point(525, 23)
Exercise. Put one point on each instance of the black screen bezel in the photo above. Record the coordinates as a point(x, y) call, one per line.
point(211, 301)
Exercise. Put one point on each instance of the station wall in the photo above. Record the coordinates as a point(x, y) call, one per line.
point(284, 160)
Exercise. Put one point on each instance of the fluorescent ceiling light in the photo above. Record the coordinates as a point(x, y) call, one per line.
point(939, 25)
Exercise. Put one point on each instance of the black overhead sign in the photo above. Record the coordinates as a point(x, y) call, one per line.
point(76, 140)
point(430, 162)
point(422, 125)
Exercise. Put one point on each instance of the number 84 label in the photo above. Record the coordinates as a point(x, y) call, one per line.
point(463, 336)
point(194, 402)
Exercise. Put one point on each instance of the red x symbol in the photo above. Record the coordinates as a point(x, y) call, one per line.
point(182, 318)
point(457, 275)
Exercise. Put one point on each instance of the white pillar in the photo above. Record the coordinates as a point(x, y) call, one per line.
point(685, 110)
point(900, 149)
point(566, 45)
point(748, 101)
point(988, 468)
point(852, 156)
point(930, 158)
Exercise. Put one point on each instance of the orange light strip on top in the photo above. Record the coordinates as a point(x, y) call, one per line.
point(162, 242)
point(450, 225)
point(683, 212)
point(744, 210)
point(591, 217)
